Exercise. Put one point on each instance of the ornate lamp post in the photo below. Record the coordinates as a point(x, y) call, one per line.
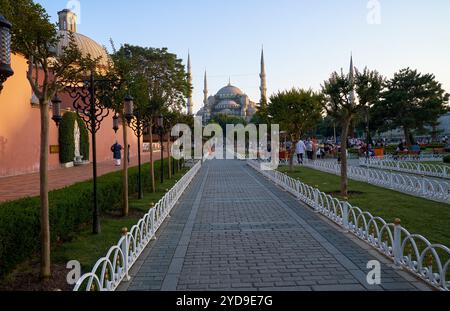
point(160, 130)
point(138, 126)
point(5, 51)
point(86, 102)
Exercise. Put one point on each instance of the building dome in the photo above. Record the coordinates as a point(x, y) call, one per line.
point(230, 90)
point(227, 104)
point(86, 45)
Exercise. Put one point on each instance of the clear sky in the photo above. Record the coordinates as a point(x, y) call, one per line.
point(304, 40)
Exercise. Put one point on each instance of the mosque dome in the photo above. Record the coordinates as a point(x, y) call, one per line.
point(230, 90)
point(87, 46)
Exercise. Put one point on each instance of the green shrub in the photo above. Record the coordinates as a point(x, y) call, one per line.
point(84, 139)
point(66, 138)
point(447, 159)
point(69, 208)
point(67, 141)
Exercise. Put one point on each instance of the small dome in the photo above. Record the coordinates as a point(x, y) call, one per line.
point(230, 90)
point(86, 45)
point(227, 104)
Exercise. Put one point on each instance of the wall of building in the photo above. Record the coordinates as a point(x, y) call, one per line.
point(20, 128)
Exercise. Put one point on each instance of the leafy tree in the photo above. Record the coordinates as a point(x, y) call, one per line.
point(157, 80)
point(296, 111)
point(35, 37)
point(411, 101)
point(341, 104)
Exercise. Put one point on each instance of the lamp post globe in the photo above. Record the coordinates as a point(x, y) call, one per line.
point(116, 122)
point(5, 50)
point(56, 109)
point(128, 106)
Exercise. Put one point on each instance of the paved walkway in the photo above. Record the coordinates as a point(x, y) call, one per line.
point(235, 230)
point(16, 187)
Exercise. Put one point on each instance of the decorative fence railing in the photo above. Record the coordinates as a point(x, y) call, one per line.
point(431, 189)
point(427, 157)
point(426, 169)
point(413, 252)
point(110, 270)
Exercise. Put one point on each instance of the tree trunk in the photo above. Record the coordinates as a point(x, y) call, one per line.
point(344, 178)
point(43, 174)
point(407, 133)
point(169, 158)
point(125, 207)
point(152, 164)
point(291, 157)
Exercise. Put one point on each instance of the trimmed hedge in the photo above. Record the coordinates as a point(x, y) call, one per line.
point(447, 159)
point(84, 139)
point(69, 208)
point(67, 141)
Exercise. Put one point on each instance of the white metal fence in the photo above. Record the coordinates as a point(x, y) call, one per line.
point(432, 170)
point(427, 157)
point(110, 270)
point(431, 189)
point(413, 252)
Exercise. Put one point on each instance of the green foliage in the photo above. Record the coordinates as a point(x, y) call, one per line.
point(84, 139)
point(412, 101)
point(154, 77)
point(297, 111)
point(66, 138)
point(69, 208)
point(447, 159)
point(222, 120)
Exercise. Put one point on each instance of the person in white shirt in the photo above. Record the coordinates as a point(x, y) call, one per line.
point(300, 149)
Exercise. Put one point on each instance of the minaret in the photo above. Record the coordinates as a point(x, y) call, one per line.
point(190, 102)
point(205, 90)
point(263, 87)
point(351, 77)
point(67, 20)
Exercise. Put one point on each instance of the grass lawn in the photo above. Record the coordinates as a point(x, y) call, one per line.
point(428, 218)
point(88, 248)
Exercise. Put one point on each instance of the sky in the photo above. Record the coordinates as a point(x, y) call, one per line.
point(304, 40)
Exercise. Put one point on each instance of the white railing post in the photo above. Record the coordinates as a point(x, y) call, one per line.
point(125, 250)
point(397, 244)
point(316, 201)
point(345, 214)
point(424, 187)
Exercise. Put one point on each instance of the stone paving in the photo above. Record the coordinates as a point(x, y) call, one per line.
point(235, 230)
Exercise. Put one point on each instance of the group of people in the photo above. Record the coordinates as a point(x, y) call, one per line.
point(310, 147)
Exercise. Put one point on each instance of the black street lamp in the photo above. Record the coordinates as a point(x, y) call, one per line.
point(5, 51)
point(56, 109)
point(128, 107)
point(115, 122)
point(160, 129)
point(138, 127)
point(87, 98)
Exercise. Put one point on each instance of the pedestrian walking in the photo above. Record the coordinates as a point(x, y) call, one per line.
point(300, 149)
point(116, 149)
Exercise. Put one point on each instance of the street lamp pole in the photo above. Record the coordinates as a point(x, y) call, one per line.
point(160, 125)
point(91, 110)
point(137, 125)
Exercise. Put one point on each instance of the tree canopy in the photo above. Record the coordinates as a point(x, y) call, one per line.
point(411, 101)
